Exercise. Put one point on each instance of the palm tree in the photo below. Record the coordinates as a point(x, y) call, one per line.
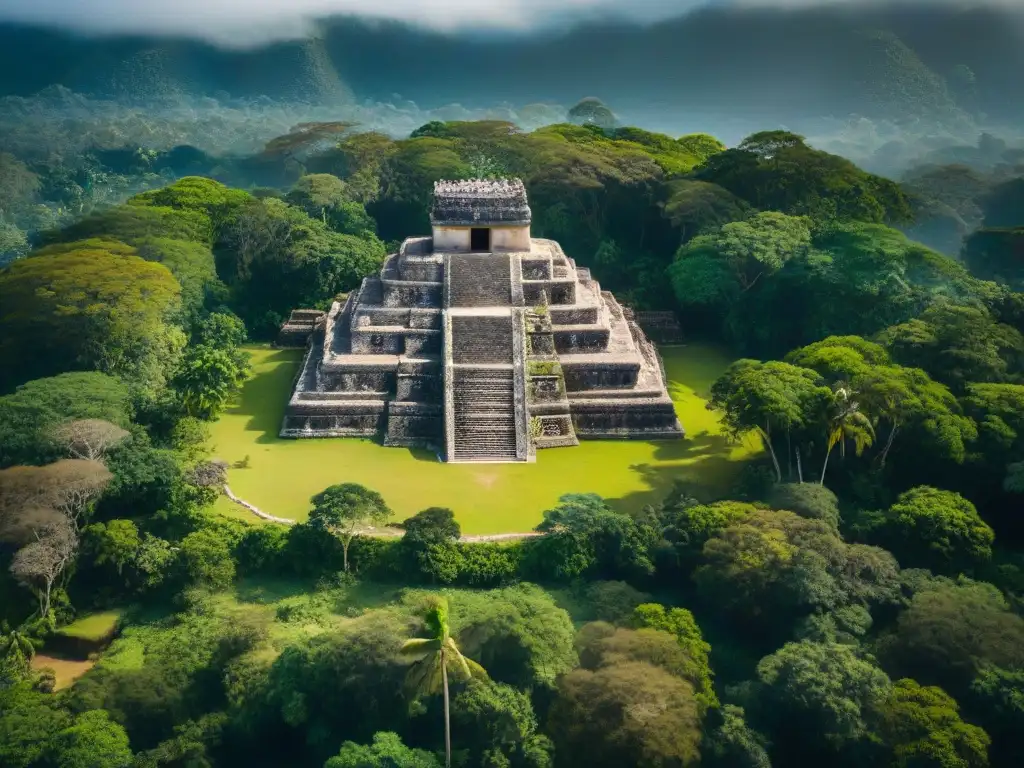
point(846, 422)
point(16, 647)
point(433, 656)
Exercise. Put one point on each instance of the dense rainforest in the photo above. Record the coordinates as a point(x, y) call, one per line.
point(855, 600)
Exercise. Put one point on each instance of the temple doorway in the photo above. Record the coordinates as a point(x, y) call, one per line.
point(479, 239)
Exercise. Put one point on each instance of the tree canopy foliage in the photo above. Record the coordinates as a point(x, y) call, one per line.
point(795, 622)
point(93, 307)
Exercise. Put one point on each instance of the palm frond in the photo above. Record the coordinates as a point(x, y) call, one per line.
point(464, 667)
point(424, 677)
point(457, 662)
point(477, 671)
point(419, 647)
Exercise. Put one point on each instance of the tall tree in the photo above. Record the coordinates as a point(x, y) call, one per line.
point(343, 510)
point(846, 423)
point(921, 726)
point(40, 564)
point(434, 656)
point(386, 751)
point(68, 486)
point(89, 308)
point(303, 138)
point(17, 649)
point(89, 439)
point(592, 111)
point(818, 697)
point(29, 415)
point(208, 378)
point(932, 528)
point(772, 399)
point(958, 344)
point(628, 713)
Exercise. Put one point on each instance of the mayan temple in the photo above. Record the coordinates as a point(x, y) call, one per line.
point(480, 342)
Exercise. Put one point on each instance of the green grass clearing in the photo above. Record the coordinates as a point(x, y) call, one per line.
point(486, 498)
point(93, 628)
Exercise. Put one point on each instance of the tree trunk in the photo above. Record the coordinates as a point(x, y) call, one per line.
point(799, 466)
point(46, 598)
point(768, 443)
point(825, 465)
point(447, 721)
point(344, 552)
point(888, 444)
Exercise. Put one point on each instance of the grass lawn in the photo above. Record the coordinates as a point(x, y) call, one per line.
point(486, 498)
point(92, 628)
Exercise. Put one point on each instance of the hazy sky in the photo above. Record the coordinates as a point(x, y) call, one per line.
point(247, 21)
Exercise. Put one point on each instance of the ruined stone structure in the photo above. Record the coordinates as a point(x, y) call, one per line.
point(298, 328)
point(480, 342)
point(659, 327)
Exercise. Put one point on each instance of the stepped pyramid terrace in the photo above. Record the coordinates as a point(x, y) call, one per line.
point(480, 342)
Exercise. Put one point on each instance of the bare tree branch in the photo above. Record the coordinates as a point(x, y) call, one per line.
point(89, 439)
point(68, 486)
point(209, 473)
point(21, 525)
point(39, 565)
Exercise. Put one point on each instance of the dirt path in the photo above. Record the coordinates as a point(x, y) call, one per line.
point(384, 533)
point(66, 670)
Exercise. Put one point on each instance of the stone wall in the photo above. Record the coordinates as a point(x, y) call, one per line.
point(420, 388)
point(626, 419)
point(401, 293)
point(451, 239)
point(536, 269)
point(297, 329)
point(353, 424)
point(510, 238)
point(348, 380)
point(377, 341)
point(557, 292)
point(573, 315)
point(580, 339)
point(583, 377)
point(414, 425)
point(524, 446)
point(448, 382)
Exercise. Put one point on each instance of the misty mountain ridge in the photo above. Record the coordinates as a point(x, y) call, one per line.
point(891, 62)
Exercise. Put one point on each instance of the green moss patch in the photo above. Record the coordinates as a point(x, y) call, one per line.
point(96, 627)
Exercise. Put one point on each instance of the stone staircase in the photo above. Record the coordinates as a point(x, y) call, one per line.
point(484, 414)
point(479, 280)
point(481, 339)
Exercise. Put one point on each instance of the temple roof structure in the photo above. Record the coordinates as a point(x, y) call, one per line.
point(472, 202)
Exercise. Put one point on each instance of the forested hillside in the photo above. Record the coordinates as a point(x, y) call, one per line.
point(891, 61)
point(854, 600)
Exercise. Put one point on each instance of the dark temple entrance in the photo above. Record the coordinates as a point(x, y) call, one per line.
point(479, 239)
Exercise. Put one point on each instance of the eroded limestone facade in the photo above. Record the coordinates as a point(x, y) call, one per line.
point(481, 342)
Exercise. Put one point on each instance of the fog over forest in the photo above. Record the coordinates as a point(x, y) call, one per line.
point(887, 85)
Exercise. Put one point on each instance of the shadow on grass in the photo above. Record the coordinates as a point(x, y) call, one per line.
point(425, 454)
point(703, 462)
point(264, 396)
point(358, 596)
point(703, 479)
point(267, 590)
